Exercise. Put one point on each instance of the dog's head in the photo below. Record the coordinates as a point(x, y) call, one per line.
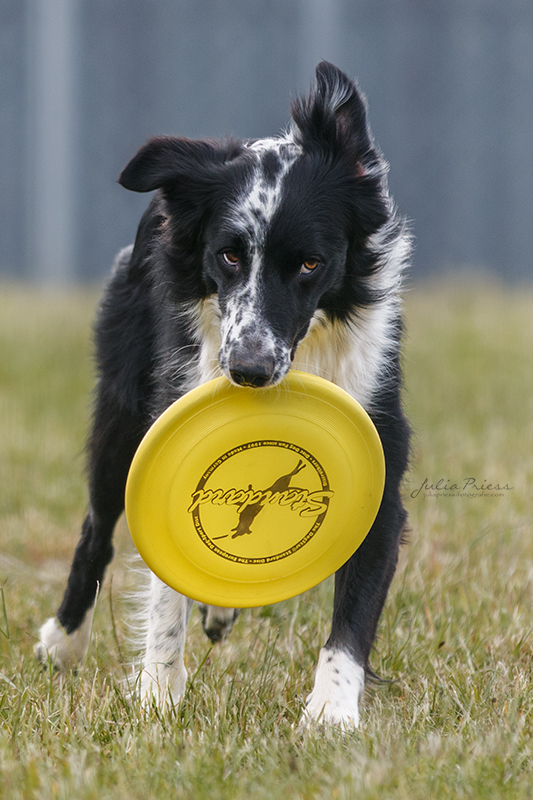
point(277, 228)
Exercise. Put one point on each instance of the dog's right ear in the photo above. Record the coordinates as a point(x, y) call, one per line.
point(166, 161)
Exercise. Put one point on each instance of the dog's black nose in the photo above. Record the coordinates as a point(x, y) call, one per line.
point(255, 375)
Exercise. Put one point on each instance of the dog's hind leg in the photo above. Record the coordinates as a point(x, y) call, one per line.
point(115, 437)
point(164, 676)
point(217, 621)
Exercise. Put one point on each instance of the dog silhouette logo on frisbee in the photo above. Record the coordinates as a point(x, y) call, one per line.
point(243, 497)
point(299, 510)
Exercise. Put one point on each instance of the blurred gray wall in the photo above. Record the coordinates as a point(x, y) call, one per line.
point(84, 82)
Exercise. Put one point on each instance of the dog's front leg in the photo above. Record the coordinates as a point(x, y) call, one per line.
point(115, 436)
point(164, 675)
point(361, 587)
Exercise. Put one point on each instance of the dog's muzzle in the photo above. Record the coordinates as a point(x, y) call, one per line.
point(252, 373)
point(251, 354)
point(254, 365)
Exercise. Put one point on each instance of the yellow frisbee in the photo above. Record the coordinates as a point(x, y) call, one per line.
point(243, 497)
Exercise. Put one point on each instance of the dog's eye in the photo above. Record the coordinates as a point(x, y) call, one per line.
point(309, 266)
point(229, 258)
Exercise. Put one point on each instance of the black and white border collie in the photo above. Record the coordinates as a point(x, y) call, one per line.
point(253, 256)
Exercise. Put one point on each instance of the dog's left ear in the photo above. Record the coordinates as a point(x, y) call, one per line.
point(333, 118)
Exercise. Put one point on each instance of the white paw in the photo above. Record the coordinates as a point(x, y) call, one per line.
point(64, 650)
point(163, 683)
point(339, 685)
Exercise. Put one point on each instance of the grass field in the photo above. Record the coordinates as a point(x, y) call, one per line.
point(456, 638)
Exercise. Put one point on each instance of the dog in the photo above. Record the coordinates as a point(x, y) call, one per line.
point(253, 256)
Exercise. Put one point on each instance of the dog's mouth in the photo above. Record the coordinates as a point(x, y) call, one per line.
point(252, 378)
point(255, 378)
point(255, 357)
point(256, 373)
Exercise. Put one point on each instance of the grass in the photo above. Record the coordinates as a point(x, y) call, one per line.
point(456, 637)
